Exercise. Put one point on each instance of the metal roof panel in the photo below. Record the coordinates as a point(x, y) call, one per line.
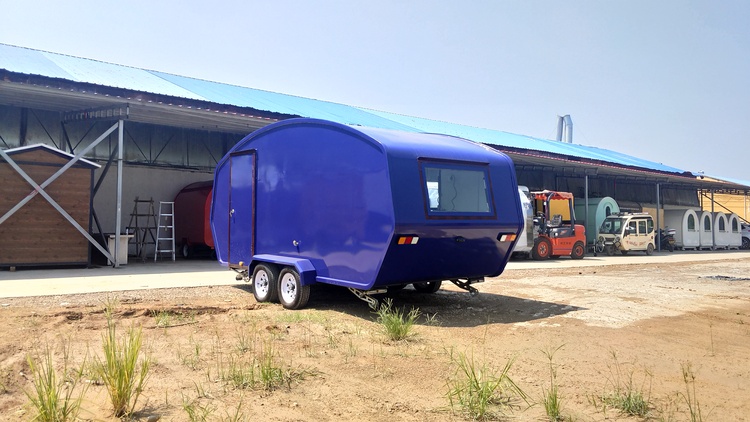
point(281, 103)
point(511, 140)
point(30, 62)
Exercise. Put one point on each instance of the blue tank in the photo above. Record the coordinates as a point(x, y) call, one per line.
point(307, 201)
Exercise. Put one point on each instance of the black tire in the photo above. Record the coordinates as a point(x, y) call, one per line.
point(650, 249)
point(292, 294)
point(624, 252)
point(187, 251)
point(579, 250)
point(428, 286)
point(670, 247)
point(745, 243)
point(541, 249)
point(265, 281)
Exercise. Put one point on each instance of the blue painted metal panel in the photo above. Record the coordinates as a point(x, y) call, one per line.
point(241, 201)
point(341, 197)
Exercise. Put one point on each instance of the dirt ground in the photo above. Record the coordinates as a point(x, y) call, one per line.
point(638, 325)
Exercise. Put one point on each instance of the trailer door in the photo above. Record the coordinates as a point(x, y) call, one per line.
point(241, 207)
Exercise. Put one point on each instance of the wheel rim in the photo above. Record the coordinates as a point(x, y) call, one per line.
point(579, 250)
point(288, 288)
point(543, 251)
point(261, 283)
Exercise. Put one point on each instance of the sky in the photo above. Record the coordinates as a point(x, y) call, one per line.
point(663, 80)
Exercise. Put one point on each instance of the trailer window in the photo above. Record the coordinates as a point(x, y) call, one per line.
point(456, 190)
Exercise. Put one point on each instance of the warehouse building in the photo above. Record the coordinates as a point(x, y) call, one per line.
point(145, 135)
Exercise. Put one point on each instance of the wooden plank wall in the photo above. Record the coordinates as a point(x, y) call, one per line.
point(37, 234)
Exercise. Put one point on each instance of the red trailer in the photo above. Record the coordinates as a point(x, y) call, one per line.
point(192, 208)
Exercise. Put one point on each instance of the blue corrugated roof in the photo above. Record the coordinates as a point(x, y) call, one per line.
point(280, 103)
point(34, 62)
point(511, 140)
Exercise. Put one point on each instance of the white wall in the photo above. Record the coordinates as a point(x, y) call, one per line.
point(143, 182)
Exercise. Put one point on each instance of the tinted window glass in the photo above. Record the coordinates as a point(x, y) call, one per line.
point(456, 189)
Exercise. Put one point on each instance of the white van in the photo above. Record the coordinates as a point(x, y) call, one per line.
point(627, 232)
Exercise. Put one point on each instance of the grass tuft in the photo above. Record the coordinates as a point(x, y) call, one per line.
point(54, 398)
point(551, 396)
point(481, 392)
point(196, 411)
point(396, 324)
point(260, 372)
point(689, 396)
point(120, 370)
point(628, 397)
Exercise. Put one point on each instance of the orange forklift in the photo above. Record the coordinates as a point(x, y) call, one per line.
point(555, 231)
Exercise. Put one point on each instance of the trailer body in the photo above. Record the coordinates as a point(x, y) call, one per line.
point(192, 206)
point(364, 208)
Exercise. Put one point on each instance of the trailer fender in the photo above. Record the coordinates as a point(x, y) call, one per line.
point(304, 267)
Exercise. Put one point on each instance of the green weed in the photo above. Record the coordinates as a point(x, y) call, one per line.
point(166, 318)
point(196, 411)
point(237, 416)
point(192, 358)
point(261, 372)
point(55, 398)
point(627, 396)
point(120, 370)
point(394, 322)
point(480, 391)
point(689, 396)
point(245, 342)
point(551, 396)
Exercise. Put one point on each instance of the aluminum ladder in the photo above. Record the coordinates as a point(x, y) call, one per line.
point(142, 225)
point(165, 230)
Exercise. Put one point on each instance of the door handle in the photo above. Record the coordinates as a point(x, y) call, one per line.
point(231, 213)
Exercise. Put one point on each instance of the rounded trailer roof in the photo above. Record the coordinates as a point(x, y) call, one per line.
point(394, 142)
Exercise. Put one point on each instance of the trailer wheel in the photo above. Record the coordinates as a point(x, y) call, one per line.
point(650, 249)
point(428, 286)
point(187, 251)
point(578, 251)
point(541, 249)
point(265, 278)
point(292, 294)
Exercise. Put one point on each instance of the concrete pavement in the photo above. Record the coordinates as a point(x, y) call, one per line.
point(195, 273)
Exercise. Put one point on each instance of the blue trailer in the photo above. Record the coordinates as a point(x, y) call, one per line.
point(307, 201)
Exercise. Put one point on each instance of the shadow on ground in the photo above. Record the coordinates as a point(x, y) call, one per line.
point(450, 308)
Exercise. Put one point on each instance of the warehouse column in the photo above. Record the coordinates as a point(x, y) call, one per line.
point(120, 130)
point(586, 204)
point(657, 236)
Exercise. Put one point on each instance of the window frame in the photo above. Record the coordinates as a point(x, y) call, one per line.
point(484, 168)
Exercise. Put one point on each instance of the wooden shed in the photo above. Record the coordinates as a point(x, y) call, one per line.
point(37, 234)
